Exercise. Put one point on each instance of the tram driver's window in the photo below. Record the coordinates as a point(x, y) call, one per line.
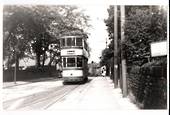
point(70, 62)
point(79, 62)
point(78, 41)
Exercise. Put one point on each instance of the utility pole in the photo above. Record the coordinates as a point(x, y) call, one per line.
point(123, 60)
point(115, 48)
point(16, 51)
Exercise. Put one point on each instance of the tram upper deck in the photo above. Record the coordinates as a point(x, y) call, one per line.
point(73, 42)
point(74, 45)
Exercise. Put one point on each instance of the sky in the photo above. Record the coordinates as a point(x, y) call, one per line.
point(98, 32)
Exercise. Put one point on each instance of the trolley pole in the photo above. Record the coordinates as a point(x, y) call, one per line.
point(123, 61)
point(115, 48)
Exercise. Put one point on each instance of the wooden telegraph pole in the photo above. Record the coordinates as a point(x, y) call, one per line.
point(123, 61)
point(115, 48)
point(16, 51)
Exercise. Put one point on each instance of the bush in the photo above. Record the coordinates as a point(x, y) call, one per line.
point(31, 73)
point(148, 84)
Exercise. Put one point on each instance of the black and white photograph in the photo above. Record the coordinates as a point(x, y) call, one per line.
point(84, 57)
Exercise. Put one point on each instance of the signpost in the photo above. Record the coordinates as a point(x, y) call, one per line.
point(158, 49)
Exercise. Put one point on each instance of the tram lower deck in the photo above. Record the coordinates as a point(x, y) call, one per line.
point(74, 69)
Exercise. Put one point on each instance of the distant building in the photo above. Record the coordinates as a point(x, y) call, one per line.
point(94, 69)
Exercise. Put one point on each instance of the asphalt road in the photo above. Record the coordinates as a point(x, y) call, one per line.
point(97, 93)
point(42, 100)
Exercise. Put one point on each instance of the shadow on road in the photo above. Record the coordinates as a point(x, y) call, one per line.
point(77, 83)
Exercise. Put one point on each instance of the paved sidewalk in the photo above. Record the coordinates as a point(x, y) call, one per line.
point(99, 94)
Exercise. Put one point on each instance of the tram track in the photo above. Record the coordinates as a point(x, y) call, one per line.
point(41, 100)
point(58, 99)
point(44, 100)
point(44, 103)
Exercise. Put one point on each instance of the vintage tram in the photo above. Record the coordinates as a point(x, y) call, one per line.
point(74, 53)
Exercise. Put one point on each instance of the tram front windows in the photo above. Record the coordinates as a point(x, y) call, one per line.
point(70, 62)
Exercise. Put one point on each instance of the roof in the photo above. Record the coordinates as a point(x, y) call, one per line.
point(72, 36)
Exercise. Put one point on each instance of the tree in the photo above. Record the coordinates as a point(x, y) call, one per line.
point(15, 31)
point(143, 25)
point(105, 59)
point(31, 29)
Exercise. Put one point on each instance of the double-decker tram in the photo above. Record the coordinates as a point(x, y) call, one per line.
point(74, 55)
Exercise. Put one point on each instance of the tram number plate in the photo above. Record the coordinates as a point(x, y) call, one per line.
point(71, 52)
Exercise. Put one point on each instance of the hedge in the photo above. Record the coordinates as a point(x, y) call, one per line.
point(30, 73)
point(148, 83)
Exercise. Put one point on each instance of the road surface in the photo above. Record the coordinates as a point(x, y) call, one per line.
point(96, 94)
